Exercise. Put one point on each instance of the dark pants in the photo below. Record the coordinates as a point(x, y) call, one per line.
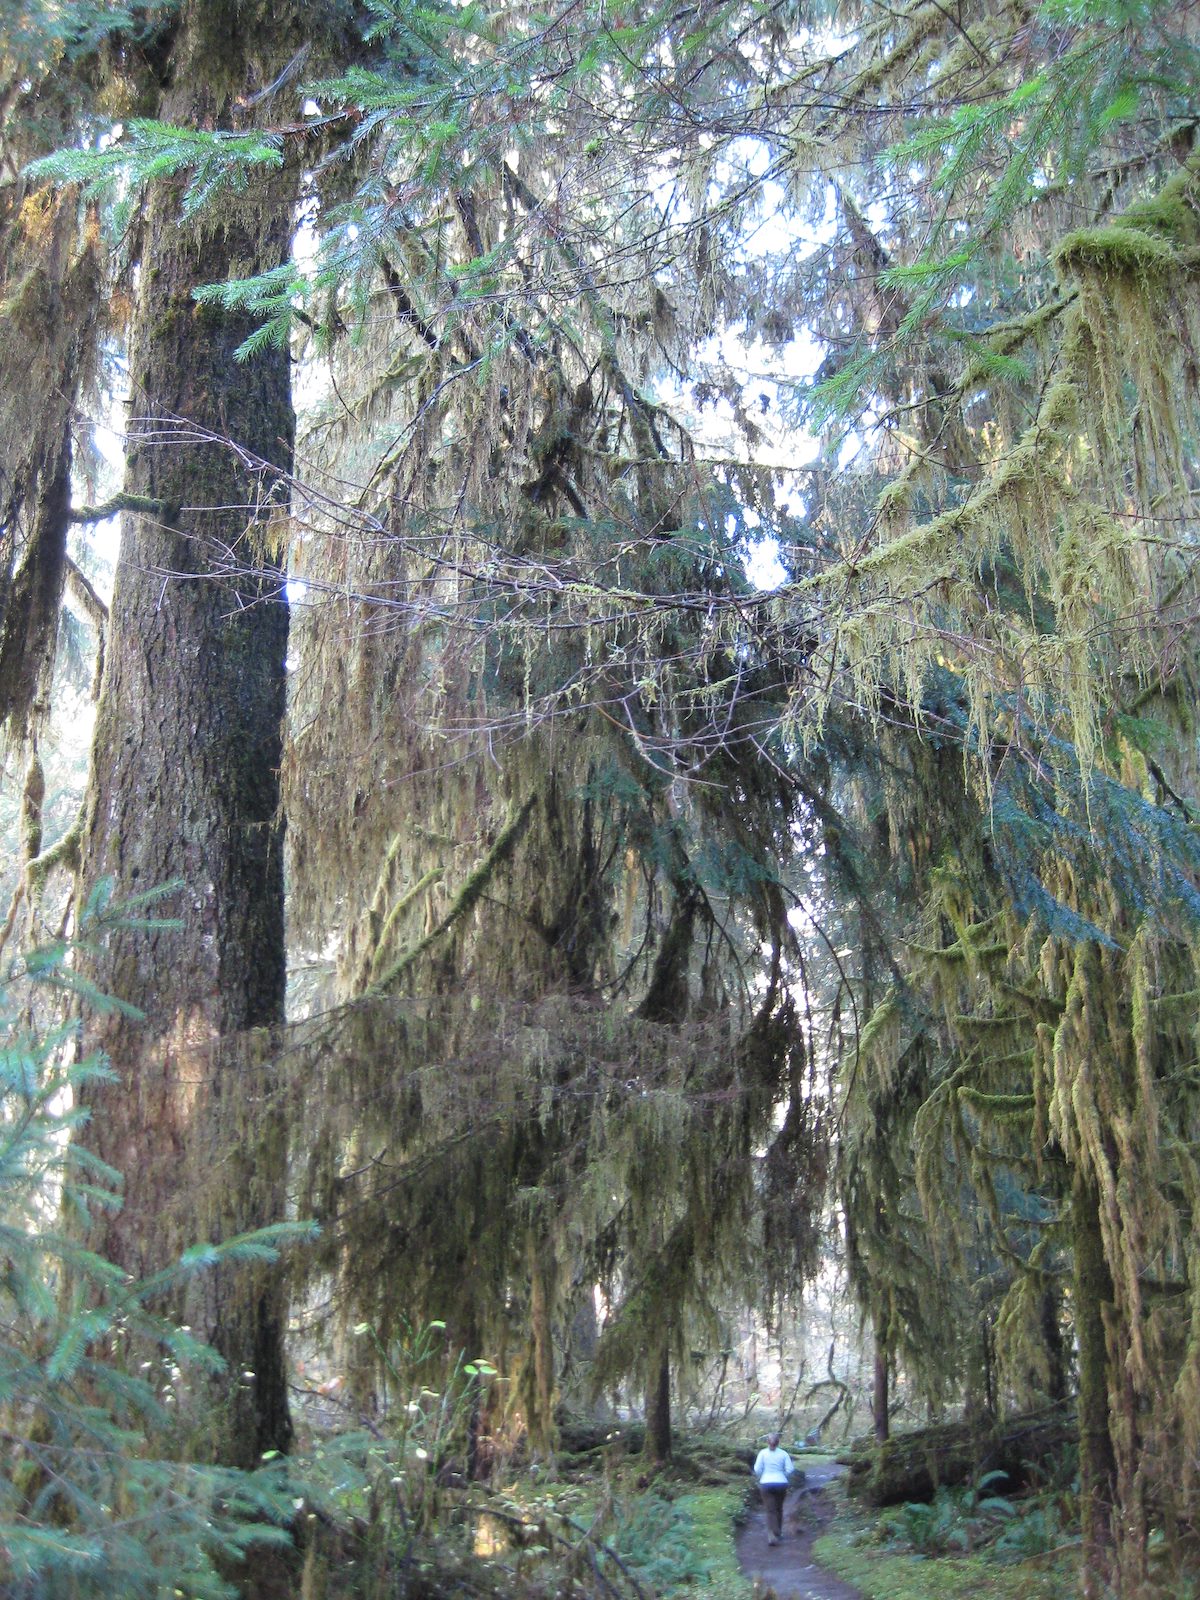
point(772, 1499)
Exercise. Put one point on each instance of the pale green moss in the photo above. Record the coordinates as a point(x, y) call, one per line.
point(713, 1513)
point(1117, 249)
point(1172, 211)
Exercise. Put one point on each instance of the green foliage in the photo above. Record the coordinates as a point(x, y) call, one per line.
point(954, 1520)
point(654, 1536)
point(713, 1515)
point(398, 1495)
point(430, 1394)
point(91, 1375)
point(1111, 833)
point(273, 296)
point(1038, 136)
point(960, 1521)
point(393, 1491)
point(885, 1575)
point(1035, 1530)
point(40, 34)
point(149, 152)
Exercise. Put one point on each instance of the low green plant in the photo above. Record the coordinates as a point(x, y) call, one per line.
point(390, 1497)
point(1054, 1488)
point(927, 1527)
point(956, 1519)
point(714, 1514)
point(428, 1395)
point(880, 1574)
point(1036, 1529)
point(653, 1536)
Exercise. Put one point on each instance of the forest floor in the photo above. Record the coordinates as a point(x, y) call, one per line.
point(789, 1569)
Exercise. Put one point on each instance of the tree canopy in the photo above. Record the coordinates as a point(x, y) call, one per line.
point(633, 908)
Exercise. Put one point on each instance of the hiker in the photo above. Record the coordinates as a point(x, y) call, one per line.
point(773, 1467)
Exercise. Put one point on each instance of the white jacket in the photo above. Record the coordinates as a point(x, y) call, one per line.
point(773, 1468)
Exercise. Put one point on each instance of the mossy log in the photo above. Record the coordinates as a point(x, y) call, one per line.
point(911, 1466)
point(582, 1441)
point(579, 1436)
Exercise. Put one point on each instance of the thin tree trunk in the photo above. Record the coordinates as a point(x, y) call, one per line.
point(49, 300)
point(658, 1407)
point(540, 1391)
point(1097, 1467)
point(185, 771)
point(1056, 1355)
point(880, 1402)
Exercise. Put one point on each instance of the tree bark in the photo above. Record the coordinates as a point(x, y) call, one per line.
point(1057, 1385)
point(184, 779)
point(49, 299)
point(540, 1388)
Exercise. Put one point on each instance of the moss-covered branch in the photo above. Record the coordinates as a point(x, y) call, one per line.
point(143, 504)
point(63, 853)
point(467, 896)
point(389, 924)
point(85, 592)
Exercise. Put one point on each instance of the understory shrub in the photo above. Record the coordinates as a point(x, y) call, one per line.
point(92, 1507)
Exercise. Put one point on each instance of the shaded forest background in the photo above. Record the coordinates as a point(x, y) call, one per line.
point(493, 939)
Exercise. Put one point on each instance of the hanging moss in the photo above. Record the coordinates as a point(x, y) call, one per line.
point(547, 935)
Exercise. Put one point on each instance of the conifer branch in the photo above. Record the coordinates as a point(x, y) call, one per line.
point(405, 309)
point(425, 881)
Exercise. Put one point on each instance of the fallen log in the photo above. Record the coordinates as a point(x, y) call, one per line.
point(911, 1466)
point(579, 1436)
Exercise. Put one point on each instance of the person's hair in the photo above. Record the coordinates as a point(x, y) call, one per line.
point(773, 1441)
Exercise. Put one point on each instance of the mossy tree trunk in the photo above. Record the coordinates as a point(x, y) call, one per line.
point(1057, 1381)
point(912, 1465)
point(184, 779)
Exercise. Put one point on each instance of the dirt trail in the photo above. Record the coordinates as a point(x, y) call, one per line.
point(789, 1567)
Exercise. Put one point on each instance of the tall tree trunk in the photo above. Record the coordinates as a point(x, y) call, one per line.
point(185, 766)
point(977, 1380)
point(583, 1338)
point(1097, 1466)
point(539, 1387)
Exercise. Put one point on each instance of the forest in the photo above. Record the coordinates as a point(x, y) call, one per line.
point(601, 804)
